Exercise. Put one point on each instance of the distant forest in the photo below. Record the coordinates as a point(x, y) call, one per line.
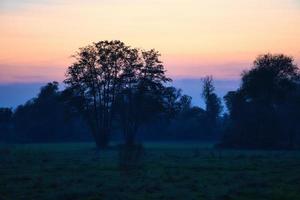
point(118, 93)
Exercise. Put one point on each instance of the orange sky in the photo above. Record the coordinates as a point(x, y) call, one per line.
point(195, 38)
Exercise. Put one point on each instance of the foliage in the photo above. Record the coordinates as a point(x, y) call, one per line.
point(6, 115)
point(113, 78)
point(263, 111)
point(45, 119)
point(213, 104)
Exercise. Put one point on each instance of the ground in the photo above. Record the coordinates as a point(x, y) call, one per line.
point(167, 171)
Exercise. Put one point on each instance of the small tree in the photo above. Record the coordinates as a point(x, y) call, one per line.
point(171, 102)
point(212, 102)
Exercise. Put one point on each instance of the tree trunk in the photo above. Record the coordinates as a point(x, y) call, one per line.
point(130, 139)
point(130, 134)
point(101, 137)
point(102, 140)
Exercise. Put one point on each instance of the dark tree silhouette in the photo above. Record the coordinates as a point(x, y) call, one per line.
point(262, 110)
point(270, 80)
point(6, 115)
point(213, 106)
point(179, 121)
point(141, 90)
point(109, 72)
point(171, 102)
point(46, 119)
point(185, 103)
point(95, 77)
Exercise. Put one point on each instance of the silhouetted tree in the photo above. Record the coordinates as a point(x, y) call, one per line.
point(179, 121)
point(109, 72)
point(45, 118)
point(270, 80)
point(213, 106)
point(185, 103)
point(95, 77)
point(6, 115)
point(262, 110)
point(141, 90)
point(171, 100)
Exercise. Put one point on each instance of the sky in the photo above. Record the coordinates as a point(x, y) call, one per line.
point(195, 37)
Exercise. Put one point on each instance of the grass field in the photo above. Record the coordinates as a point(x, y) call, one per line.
point(168, 171)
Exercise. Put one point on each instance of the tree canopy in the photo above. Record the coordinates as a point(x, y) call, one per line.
point(263, 111)
point(108, 73)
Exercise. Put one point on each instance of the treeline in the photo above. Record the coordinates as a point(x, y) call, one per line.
point(264, 113)
point(116, 92)
point(52, 116)
point(45, 118)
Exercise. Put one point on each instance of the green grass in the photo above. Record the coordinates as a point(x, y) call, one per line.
point(170, 171)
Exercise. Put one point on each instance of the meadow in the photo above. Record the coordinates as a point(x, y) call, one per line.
point(167, 171)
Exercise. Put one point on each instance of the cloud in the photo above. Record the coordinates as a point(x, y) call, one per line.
point(10, 5)
point(15, 5)
point(26, 73)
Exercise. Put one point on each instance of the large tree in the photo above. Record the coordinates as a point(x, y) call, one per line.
point(262, 110)
point(270, 80)
point(94, 77)
point(111, 78)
